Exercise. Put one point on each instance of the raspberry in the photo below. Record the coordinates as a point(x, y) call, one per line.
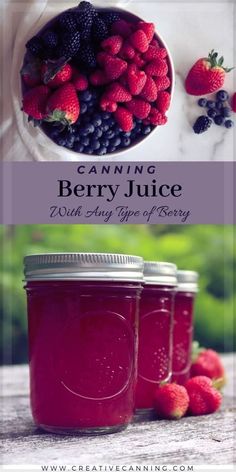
point(208, 363)
point(117, 93)
point(114, 68)
point(154, 53)
point(171, 401)
point(113, 44)
point(203, 397)
point(234, 102)
point(157, 68)
point(162, 83)
point(138, 60)
point(136, 79)
point(139, 40)
point(98, 78)
point(202, 124)
point(80, 81)
point(139, 108)
point(124, 119)
point(149, 91)
point(122, 27)
point(108, 105)
point(103, 58)
point(148, 28)
point(156, 118)
point(163, 101)
point(127, 51)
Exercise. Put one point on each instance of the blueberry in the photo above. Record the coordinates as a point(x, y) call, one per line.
point(111, 149)
point(104, 127)
point(97, 133)
point(115, 141)
point(202, 102)
point(61, 141)
point(229, 124)
point(110, 121)
point(77, 138)
point(219, 120)
point(138, 129)
point(125, 141)
point(219, 105)
point(222, 95)
point(212, 113)
point(96, 121)
point(88, 150)
point(138, 120)
point(83, 108)
point(85, 96)
point(87, 129)
point(85, 141)
point(105, 142)
point(211, 104)
point(94, 144)
point(101, 151)
point(106, 115)
point(109, 134)
point(146, 130)
point(126, 134)
point(78, 147)
point(226, 112)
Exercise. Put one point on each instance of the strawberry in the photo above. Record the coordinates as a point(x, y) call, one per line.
point(138, 60)
point(207, 75)
point(122, 27)
point(162, 83)
point(171, 401)
point(203, 397)
point(234, 102)
point(79, 81)
point(156, 118)
point(34, 102)
point(139, 40)
point(136, 79)
point(117, 93)
point(154, 53)
point(63, 105)
point(208, 363)
point(98, 77)
point(30, 73)
point(157, 68)
point(163, 101)
point(113, 44)
point(139, 108)
point(108, 105)
point(63, 76)
point(127, 51)
point(115, 67)
point(148, 28)
point(149, 91)
point(124, 119)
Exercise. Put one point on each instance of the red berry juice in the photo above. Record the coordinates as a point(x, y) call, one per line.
point(155, 331)
point(183, 325)
point(82, 317)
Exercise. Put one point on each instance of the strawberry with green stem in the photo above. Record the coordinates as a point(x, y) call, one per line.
point(63, 105)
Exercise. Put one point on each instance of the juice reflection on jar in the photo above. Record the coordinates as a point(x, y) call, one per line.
point(155, 332)
point(183, 325)
point(82, 317)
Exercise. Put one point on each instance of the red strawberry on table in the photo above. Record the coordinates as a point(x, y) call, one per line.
point(171, 401)
point(203, 397)
point(208, 363)
point(34, 102)
point(63, 105)
point(207, 75)
point(136, 79)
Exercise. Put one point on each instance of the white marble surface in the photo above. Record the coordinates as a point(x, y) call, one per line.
point(191, 29)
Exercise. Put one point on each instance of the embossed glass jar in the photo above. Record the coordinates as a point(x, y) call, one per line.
point(82, 317)
point(183, 324)
point(155, 331)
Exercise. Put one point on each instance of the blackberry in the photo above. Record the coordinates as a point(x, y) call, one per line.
point(67, 21)
point(85, 21)
point(50, 39)
point(88, 8)
point(35, 46)
point(87, 56)
point(202, 124)
point(110, 17)
point(100, 30)
point(70, 44)
point(222, 95)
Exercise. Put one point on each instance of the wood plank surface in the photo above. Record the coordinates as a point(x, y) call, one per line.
point(192, 440)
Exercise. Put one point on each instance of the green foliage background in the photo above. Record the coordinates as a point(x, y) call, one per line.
point(206, 249)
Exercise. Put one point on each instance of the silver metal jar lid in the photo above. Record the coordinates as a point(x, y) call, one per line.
point(187, 281)
point(83, 266)
point(160, 273)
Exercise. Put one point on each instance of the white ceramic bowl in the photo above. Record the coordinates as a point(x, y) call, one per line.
point(32, 135)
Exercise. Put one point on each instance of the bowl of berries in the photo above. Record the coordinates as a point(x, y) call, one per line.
point(96, 81)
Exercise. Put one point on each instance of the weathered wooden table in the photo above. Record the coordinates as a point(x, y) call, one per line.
point(192, 440)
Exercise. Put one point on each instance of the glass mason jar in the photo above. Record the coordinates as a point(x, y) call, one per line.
point(155, 332)
point(83, 329)
point(183, 324)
